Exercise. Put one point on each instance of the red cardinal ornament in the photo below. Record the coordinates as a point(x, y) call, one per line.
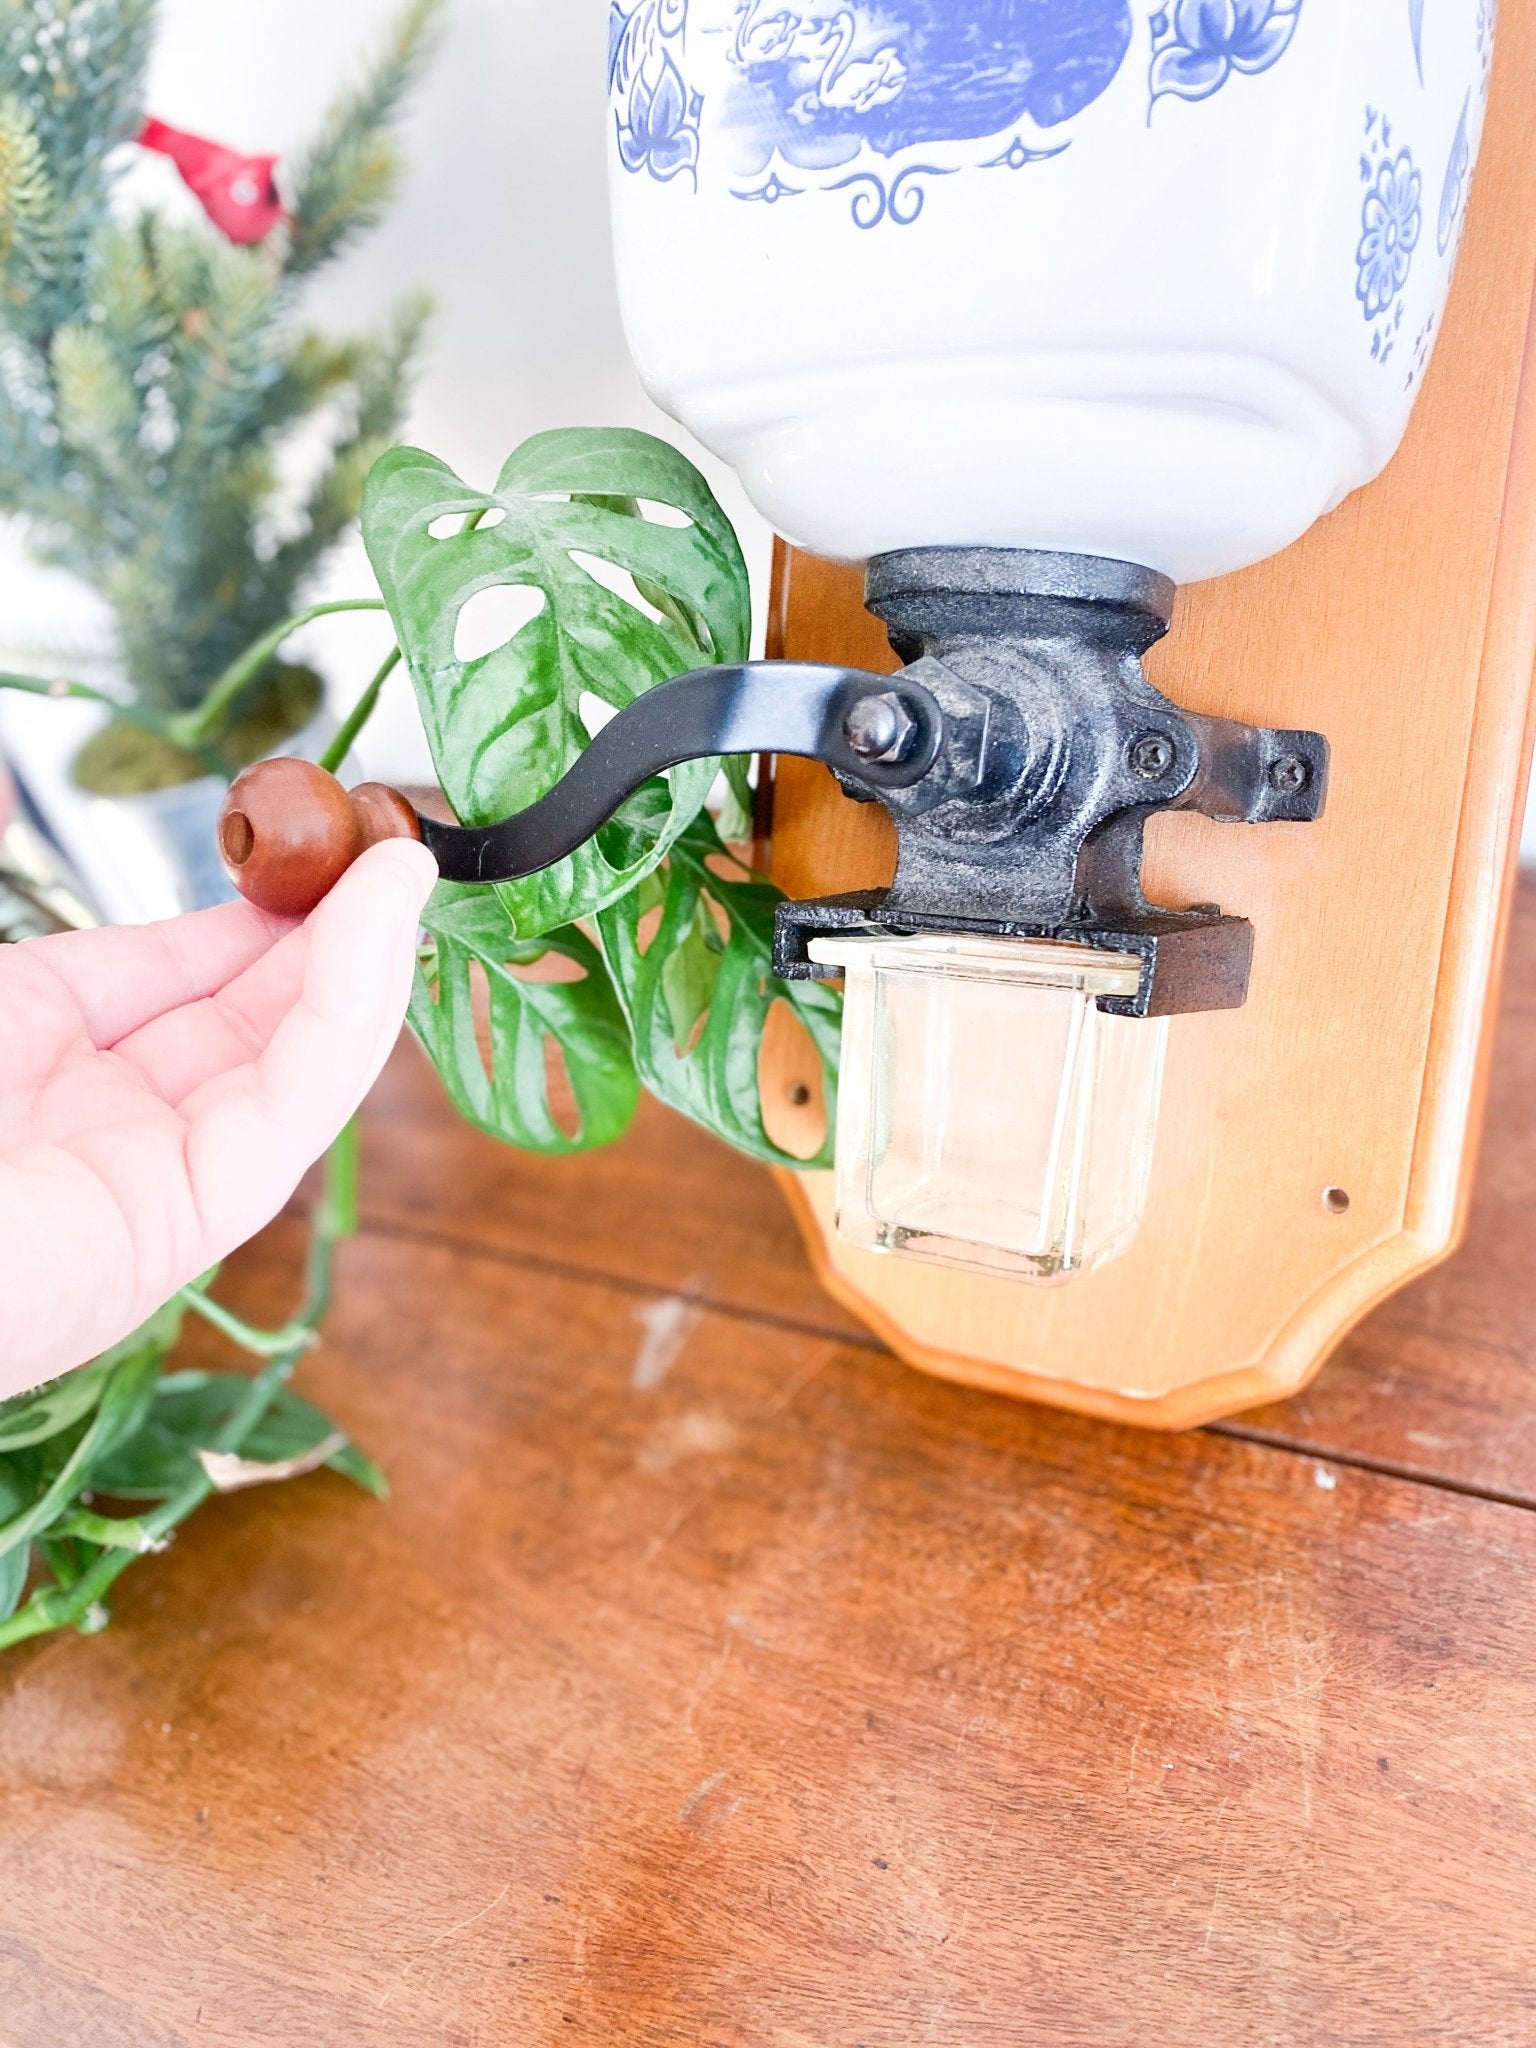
point(238, 193)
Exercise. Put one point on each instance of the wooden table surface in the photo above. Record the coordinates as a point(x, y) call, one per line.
point(711, 1678)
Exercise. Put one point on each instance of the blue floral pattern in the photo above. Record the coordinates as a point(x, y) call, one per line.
point(820, 81)
point(1458, 179)
point(657, 116)
point(839, 96)
point(861, 96)
point(900, 199)
point(1391, 223)
point(1198, 44)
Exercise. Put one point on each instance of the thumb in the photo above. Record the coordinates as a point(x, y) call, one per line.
point(248, 1149)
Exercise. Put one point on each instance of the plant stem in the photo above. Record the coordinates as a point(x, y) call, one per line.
point(130, 714)
point(200, 723)
point(359, 715)
point(259, 1343)
point(335, 1218)
point(108, 1532)
point(79, 1604)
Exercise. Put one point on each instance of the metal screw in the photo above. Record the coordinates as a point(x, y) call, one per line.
point(1152, 756)
point(1290, 774)
point(880, 728)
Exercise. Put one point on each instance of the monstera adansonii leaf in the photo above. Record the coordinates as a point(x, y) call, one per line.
point(548, 1004)
point(542, 1036)
point(636, 576)
point(690, 953)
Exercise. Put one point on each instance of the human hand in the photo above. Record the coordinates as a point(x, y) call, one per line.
point(164, 1087)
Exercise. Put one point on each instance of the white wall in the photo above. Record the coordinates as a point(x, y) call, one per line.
point(503, 218)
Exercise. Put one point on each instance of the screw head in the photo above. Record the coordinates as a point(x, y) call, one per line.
point(879, 728)
point(1152, 756)
point(1290, 774)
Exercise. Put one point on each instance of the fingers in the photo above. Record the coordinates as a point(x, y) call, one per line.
point(184, 1049)
point(253, 1131)
point(121, 977)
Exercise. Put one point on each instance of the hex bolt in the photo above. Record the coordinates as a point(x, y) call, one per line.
point(1152, 756)
point(880, 728)
point(1290, 774)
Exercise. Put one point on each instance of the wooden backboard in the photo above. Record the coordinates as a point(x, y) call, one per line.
point(1404, 627)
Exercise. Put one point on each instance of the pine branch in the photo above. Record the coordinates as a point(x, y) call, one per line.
point(315, 369)
point(127, 292)
point(346, 179)
point(98, 407)
point(150, 381)
point(27, 203)
point(222, 359)
point(30, 452)
point(79, 65)
point(76, 69)
point(384, 375)
point(381, 385)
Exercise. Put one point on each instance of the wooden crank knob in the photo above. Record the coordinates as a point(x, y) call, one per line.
point(383, 813)
point(288, 832)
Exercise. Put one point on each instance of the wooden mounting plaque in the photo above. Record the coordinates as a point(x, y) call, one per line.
point(1404, 627)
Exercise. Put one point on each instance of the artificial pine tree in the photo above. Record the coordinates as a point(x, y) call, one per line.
point(150, 372)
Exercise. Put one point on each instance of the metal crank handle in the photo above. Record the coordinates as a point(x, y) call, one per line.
point(288, 831)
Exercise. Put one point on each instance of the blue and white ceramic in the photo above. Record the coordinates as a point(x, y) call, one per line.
point(1155, 281)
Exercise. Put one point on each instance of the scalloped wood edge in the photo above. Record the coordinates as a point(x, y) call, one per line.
point(1361, 1058)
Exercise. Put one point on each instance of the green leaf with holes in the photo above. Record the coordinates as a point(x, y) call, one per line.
point(542, 1005)
point(567, 519)
point(690, 953)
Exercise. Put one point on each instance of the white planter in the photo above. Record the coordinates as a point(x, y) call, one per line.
point(1152, 282)
point(138, 858)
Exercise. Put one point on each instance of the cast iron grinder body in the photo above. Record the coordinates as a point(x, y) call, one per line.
point(1056, 750)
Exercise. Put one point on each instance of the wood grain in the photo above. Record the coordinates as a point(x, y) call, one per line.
point(785, 1698)
point(669, 1209)
point(1426, 1385)
point(1404, 626)
point(1439, 1380)
point(714, 1680)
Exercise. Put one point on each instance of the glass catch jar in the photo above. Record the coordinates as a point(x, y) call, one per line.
point(990, 1114)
